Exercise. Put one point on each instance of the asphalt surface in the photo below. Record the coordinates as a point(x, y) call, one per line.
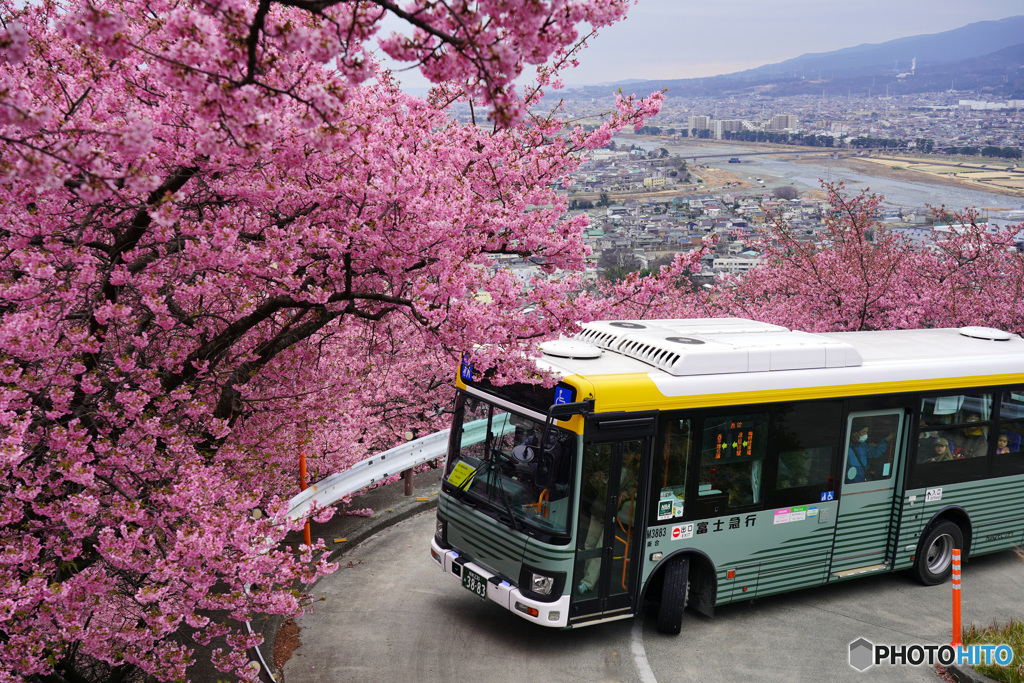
point(344, 532)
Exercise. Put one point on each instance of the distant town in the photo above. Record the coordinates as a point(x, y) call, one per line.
point(648, 199)
point(929, 122)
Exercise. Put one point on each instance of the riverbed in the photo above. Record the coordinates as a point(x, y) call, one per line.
point(807, 172)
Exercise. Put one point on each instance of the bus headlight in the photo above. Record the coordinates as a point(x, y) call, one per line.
point(541, 584)
point(441, 532)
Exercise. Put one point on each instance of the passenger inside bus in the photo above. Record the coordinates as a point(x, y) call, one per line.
point(941, 452)
point(973, 442)
point(1008, 442)
point(864, 455)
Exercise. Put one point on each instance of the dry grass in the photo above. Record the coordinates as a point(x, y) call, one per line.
point(1011, 634)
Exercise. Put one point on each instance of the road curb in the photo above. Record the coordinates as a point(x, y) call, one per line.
point(965, 674)
point(354, 539)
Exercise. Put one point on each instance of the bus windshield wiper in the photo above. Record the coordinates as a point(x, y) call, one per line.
point(492, 476)
point(508, 505)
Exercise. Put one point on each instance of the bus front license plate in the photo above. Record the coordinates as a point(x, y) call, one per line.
point(474, 582)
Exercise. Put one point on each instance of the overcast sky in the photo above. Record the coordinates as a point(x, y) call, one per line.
point(687, 38)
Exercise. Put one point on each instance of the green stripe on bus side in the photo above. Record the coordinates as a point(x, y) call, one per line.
point(863, 518)
point(812, 575)
point(850, 556)
point(779, 557)
point(993, 540)
point(1001, 527)
point(859, 535)
point(863, 522)
point(792, 562)
point(983, 501)
point(804, 546)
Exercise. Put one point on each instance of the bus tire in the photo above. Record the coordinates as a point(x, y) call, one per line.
point(934, 561)
point(673, 595)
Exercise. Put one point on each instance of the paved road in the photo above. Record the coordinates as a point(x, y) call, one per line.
point(389, 614)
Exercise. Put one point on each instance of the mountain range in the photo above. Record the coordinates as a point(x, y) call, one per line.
point(986, 57)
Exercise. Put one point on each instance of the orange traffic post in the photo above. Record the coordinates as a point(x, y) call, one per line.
point(304, 486)
point(956, 598)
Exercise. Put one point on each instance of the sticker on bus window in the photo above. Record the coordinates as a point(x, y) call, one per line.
point(460, 474)
point(664, 510)
point(677, 510)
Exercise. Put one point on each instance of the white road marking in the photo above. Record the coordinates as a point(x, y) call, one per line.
point(643, 667)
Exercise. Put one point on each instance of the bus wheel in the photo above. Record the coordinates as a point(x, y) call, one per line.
point(673, 595)
point(934, 561)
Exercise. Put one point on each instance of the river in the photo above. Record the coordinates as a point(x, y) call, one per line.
point(808, 173)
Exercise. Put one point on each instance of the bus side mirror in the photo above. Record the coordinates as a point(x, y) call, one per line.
point(561, 411)
point(549, 458)
point(546, 468)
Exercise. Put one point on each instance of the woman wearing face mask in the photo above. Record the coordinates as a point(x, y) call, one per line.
point(972, 441)
point(862, 451)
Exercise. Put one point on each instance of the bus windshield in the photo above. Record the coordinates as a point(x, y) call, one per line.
point(506, 462)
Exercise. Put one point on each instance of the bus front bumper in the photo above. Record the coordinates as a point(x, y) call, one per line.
point(554, 614)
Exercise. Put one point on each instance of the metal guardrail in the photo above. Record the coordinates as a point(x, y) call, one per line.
point(370, 471)
point(383, 465)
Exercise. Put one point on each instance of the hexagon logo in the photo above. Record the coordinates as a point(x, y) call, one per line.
point(861, 654)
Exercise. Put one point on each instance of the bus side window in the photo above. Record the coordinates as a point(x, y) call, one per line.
point(954, 438)
point(733, 449)
point(805, 435)
point(966, 424)
point(669, 480)
point(871, 448)
point(1009, 447)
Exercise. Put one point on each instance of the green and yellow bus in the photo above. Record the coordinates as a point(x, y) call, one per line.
point(696, 463)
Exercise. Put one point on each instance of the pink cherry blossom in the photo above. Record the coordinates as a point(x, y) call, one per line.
point(228, 236)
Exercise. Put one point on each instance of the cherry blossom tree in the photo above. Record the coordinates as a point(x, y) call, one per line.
point(857, 275)
point(227, 232)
